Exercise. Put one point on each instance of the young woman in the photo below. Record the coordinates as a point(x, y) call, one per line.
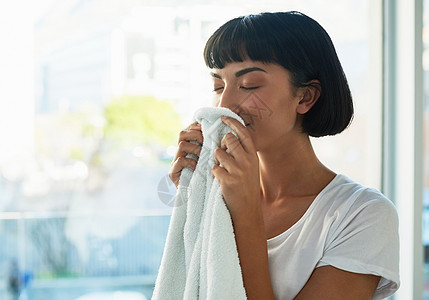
point(302, 231)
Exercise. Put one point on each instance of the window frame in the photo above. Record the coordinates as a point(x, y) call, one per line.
point(403, 104)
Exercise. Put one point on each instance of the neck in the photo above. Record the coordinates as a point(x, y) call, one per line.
point(287, 172)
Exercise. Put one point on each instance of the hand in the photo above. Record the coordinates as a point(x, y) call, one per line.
point(237, 170)
point(180, 161)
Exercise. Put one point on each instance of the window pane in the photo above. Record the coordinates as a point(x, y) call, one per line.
point(84, 197)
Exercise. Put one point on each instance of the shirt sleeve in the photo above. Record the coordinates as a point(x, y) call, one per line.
point(366, 241)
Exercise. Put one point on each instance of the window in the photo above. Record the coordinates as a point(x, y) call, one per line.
point(84, 197)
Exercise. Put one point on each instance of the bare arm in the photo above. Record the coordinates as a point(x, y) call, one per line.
point(328, 282)
point(253, 254)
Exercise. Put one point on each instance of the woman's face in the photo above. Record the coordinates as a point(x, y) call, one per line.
point(263, 96)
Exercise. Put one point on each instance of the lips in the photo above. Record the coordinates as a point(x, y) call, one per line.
point(247, 122)
point(247, 119)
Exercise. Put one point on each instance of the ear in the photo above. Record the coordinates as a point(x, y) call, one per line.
point(310, 94)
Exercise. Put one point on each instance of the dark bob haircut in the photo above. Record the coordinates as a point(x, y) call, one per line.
point(299, 44)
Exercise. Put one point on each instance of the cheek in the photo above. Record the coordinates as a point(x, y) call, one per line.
point(256, 106)
point(281, 120)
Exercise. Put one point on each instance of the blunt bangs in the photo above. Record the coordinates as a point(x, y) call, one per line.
point(236, 41)
point(265, 37)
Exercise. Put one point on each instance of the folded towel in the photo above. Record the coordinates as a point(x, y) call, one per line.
point(200, 259)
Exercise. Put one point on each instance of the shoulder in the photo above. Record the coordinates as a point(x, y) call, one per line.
point(362, 233)
point(350, 197)
point(348, 206)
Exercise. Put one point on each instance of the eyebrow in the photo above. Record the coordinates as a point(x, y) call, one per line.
point(241, 72)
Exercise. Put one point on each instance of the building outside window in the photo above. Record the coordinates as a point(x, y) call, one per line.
point(103, 90)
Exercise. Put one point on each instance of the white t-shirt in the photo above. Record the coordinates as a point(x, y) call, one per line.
point(347, 226)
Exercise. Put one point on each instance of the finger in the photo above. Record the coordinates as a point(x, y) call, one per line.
point(242, 133)
point(231, 142)
point(182, 162)
point(177, 167)
point(195, 126)
point(224, 160)
point(219, 173)
point(191, 134)
point(188, 147)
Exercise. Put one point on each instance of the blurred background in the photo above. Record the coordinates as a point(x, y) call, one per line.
point(92, 96)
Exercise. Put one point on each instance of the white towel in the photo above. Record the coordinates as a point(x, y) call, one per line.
point(200, 259)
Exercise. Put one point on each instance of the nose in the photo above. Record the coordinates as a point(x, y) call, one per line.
point(228, 99)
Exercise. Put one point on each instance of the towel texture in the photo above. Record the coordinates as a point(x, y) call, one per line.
point(200, 259)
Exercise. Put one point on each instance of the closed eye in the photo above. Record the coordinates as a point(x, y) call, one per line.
point(249, 88)
point(218, 89)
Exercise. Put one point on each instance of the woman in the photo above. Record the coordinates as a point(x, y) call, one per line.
point(302, 231)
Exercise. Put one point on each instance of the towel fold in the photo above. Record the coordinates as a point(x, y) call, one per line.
point(200, 259)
